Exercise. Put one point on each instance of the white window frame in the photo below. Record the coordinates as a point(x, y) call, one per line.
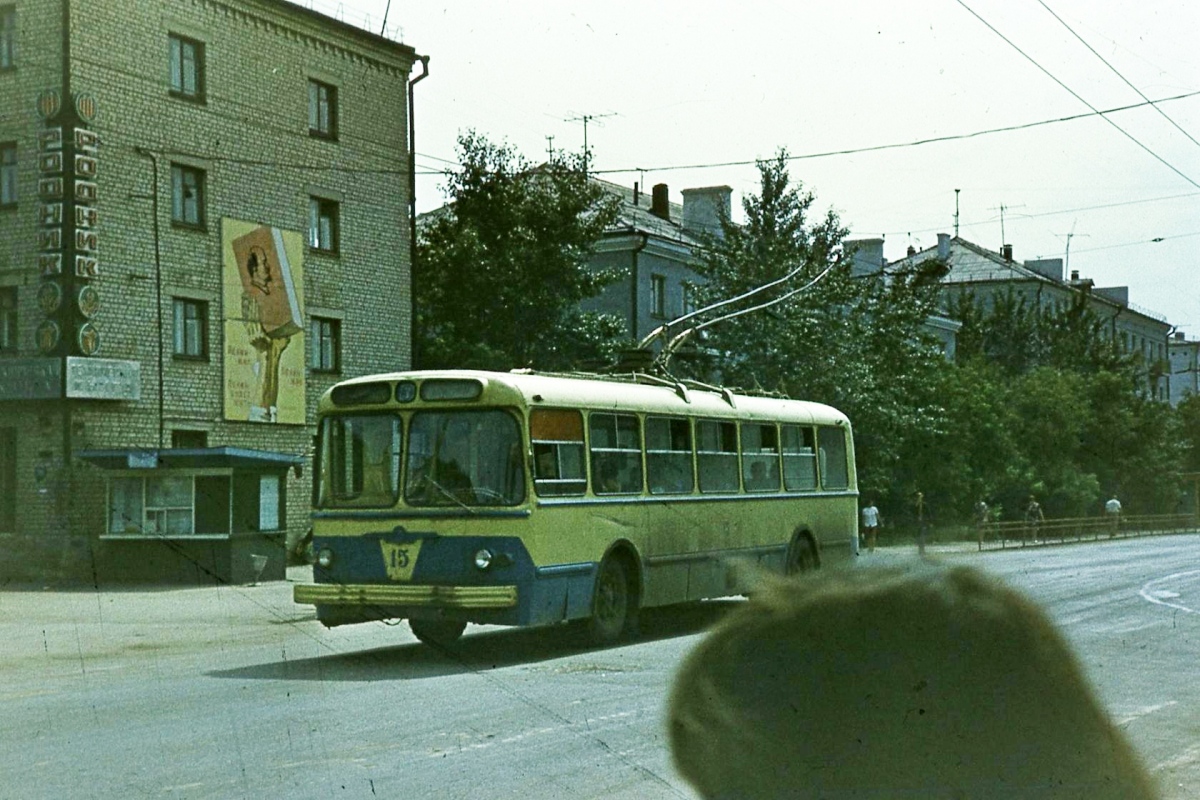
point(324, 222)
point(189, 335)
point(8, 36)
point(322, 109)
point(187, 195)
point(186, 56)
point(8, 174)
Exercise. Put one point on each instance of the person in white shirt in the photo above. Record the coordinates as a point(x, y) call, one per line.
point(1112, 510)
point(870, 524)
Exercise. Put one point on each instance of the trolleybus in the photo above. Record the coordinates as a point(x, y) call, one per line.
point(455, 497)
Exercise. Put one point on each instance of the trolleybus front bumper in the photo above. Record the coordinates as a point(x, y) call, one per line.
point(409, 595)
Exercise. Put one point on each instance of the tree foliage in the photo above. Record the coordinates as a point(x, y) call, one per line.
point(853, 342)
point(500, 271)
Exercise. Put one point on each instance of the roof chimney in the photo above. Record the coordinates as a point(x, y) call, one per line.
point(1006, 251)
point(943, 246)
point(1074, 275)
point(660, 203)
point(704, 208)
point(636, 192)
point(912, 251)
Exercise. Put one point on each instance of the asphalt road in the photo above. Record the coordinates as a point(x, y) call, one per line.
point(235, 692)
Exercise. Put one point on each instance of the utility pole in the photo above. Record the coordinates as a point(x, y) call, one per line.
point(956, 191)
point(585, 119)
point(550, 147)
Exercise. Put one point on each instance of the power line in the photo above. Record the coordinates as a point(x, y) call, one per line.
point(1118, 74)
point(1077, 96)
point(899, 145)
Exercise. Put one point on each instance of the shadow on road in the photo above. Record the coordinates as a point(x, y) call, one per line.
point(485, 650)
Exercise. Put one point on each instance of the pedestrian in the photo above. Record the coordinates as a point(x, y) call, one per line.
point(1112, 510)
point(922, 526)
point(924, 681)
point(870, 523)
point(982, 514)
point(1033, 518)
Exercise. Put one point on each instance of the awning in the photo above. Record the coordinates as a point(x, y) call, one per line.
point(189, 458)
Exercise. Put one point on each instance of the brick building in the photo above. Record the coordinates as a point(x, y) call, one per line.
point(204, 223)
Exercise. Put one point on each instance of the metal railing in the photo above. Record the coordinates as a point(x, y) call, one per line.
point(1000, 535)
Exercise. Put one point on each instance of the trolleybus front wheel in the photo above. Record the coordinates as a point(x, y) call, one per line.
point(612, 604)
point(437, 632)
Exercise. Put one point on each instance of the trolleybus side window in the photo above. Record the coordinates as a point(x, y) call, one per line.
point(760, 457)
point(668, 455)
point(360, 460)
point(834, 464)
point(799, 458)
point(464, 458)
point(558, 461)
point(717, 456)
point(616, 454)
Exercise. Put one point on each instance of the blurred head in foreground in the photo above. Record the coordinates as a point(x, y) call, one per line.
point(918, 682)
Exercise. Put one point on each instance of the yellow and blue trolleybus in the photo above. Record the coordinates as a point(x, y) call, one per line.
point(449, 497)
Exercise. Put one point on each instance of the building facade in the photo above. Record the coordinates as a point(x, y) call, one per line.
point(1185, 367)
point(204, 223)
point(653, 243)
point(985, 275)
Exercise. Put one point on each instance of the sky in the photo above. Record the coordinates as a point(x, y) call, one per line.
point(690, 94)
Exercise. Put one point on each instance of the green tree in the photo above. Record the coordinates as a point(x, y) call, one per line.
point(500, 270)
point(853, 342)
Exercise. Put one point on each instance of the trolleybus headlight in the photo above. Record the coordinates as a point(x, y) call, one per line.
point(483, 559)
point(325, 557)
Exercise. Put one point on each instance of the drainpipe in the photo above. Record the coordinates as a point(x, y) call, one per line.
point(412, 203)
point(143, 152)
point(633, 287)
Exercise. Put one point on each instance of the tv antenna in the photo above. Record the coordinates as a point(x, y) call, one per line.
point(585, 119)
point(1067, 255)
point(1002, 209)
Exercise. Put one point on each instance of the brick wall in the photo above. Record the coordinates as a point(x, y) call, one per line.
point(250, 135)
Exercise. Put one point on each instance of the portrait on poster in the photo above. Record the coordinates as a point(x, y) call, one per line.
point(264, 323)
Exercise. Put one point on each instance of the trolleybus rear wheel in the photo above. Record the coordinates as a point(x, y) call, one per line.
point(437, 632)
point(612, 604)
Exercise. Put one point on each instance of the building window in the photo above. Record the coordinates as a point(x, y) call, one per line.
point(8, 36)
point(8, 174)
point(658, 296)
point(191, 329)
point(323, 224)
point(189, 440)
point(8, 319)
point(187, 196)
point(187, 68)
point(8, 479)
point(322, 109)
point(325, 352)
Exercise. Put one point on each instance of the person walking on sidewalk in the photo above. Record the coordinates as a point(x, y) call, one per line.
point(870, 524)
point(1034, 518)
point(1112, 510)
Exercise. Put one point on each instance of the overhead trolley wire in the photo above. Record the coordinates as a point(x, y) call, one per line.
point(1077, 96)
point(1118, 73)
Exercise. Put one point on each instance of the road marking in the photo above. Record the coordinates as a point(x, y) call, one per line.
point(1165, 597)
point(1144, 711)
